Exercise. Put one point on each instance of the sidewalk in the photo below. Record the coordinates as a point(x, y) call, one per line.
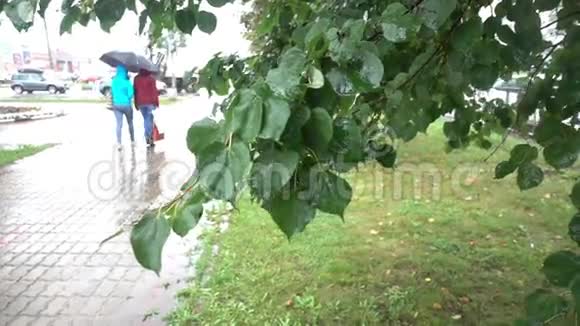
point(55, 209)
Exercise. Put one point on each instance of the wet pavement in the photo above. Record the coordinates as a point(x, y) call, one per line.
point(57, 206)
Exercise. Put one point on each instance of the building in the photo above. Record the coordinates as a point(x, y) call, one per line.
point(15, 56)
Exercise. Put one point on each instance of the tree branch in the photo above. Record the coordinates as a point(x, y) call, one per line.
point(413, 7)
point(570, 15)
point(534, 74)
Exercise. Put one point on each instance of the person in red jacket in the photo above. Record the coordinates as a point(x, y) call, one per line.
point(146, 100)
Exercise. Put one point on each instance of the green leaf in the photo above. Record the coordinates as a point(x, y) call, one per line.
point(315, 39)
point(483, 77)
point(143, 21)
point(272, 171)
point(42, 6)
point(285, 79)
point(545, 5)
point(293, 61)
point(561, 267)
point(523, 153)
point(185, 20)
point(575, 195)
point(315, 78)
point(397, 25)
point(222, 169)
point(543, 305)
point(71, 17)
point(467, 34)
point(344, 43)
point(109, 12)
point(435, 12)
point(267, 25)
point(282, 83)
point(560, 155)
point(340, 82)
point(276, 115)
point(372, 71)
point(245, 117)
point(504, 169)
point(575, 289)
point(529, 176)
point(206, 21)
point(188, 213)
point(332, 193)
point(347, 141)
point(132, 6)
point(318, 130)
point(217, 3)
point(21, 13)
point(66, 4)
point(506, 34)
point(574, 227)
point(202, 133)
point(290, 213)
point(148, 238)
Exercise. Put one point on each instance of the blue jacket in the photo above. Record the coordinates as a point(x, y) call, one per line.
point(121, 88)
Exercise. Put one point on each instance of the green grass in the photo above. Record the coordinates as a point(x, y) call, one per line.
point(40, 100)
point(8, 156)
point(473, 251)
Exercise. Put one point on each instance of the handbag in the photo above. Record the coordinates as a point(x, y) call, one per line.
point(157, 136)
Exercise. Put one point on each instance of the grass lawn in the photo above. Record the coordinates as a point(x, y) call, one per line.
point(452, 247)
point(8, 156)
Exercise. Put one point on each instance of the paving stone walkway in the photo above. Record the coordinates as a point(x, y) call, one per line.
point(55, 209)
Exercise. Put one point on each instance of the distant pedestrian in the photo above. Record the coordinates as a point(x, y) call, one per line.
point(146, 100)
point(122, 96)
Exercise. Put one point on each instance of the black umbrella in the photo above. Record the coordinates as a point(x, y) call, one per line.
point(130, 60)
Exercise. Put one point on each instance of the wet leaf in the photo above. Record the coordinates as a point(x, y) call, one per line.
point(272, 171)
point(206, 21)
point(276, 115)
point(561, 267)
point(529, 176)
point(148, 238)
point(397, 25)
point(185, 20)
point(188, 213)
point(290, 213)
point(203, 133)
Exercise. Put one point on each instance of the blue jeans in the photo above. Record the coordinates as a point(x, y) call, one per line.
point(147, 112)
point(126, 111)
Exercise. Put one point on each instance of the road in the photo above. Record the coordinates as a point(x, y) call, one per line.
point(56, 207)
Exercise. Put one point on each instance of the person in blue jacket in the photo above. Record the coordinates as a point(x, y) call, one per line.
point(122, 97)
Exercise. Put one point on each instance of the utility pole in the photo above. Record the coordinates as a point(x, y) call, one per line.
point(51, 62)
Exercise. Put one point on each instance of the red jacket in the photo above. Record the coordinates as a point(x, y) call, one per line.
point(146, 92)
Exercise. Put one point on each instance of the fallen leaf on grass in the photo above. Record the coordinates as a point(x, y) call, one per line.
point(437, 306)
point(464, 300)
point(289, 303)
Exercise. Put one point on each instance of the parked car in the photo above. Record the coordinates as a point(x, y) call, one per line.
point(32, 82)
point(105, 87)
